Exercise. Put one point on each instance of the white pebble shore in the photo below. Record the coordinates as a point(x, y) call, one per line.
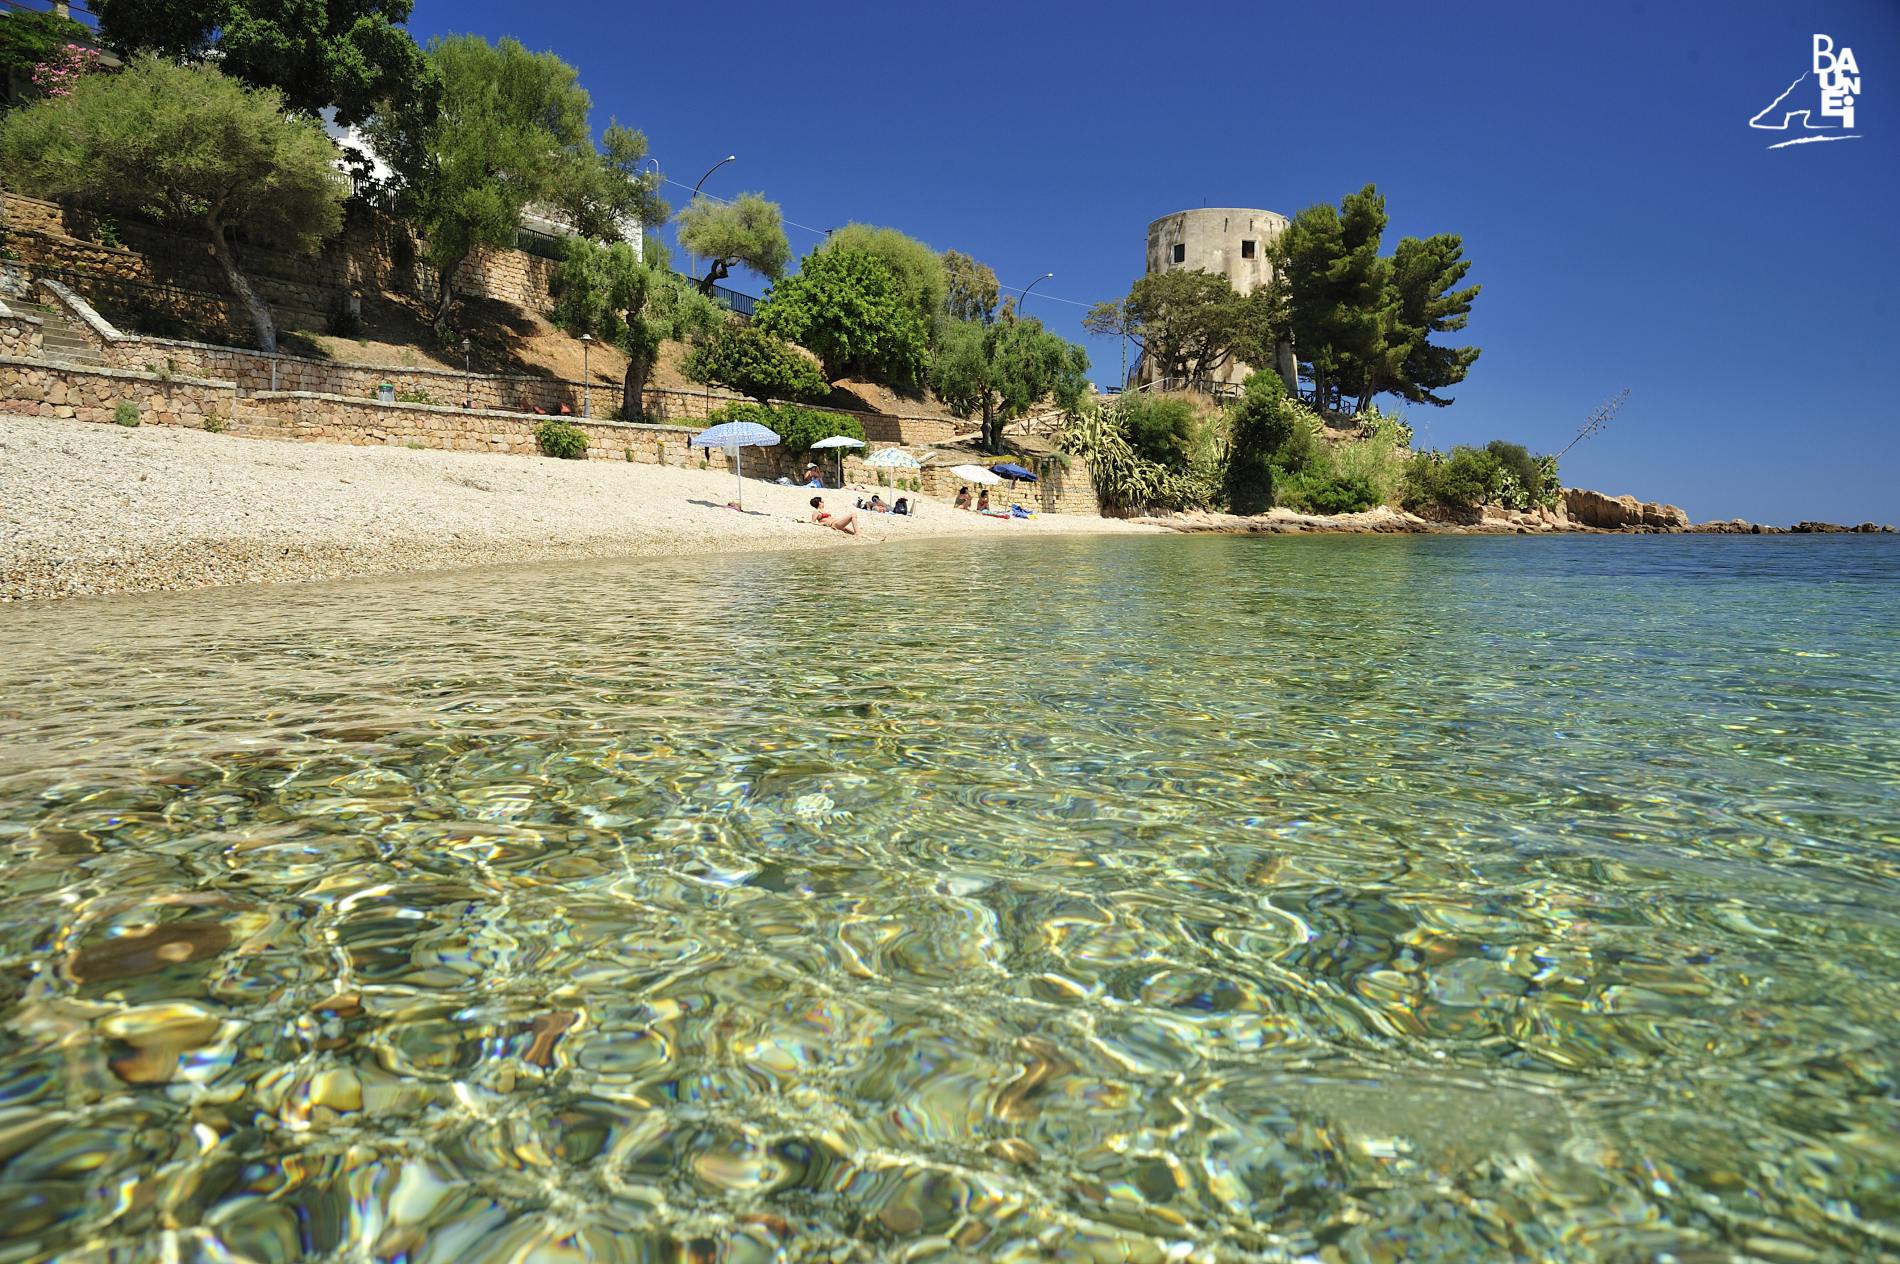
point(91, 509)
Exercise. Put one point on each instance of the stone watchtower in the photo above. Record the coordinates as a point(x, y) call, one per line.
point(1228, 241)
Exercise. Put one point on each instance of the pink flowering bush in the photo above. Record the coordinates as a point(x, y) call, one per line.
point(57, 74)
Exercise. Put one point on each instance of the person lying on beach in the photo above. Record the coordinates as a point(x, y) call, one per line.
point(846, 522)
point(963, 498)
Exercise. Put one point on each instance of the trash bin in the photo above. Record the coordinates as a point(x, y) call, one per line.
point(386, 393)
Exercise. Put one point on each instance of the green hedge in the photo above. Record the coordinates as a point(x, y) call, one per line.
point(561, 439)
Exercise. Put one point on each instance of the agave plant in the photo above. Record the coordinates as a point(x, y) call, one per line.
point(1126, 483)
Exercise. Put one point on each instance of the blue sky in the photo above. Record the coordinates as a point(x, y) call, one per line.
point(1628, 227)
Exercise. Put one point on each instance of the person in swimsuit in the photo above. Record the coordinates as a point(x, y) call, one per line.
point(963, 498)
point(846, 522)
point(983, 501)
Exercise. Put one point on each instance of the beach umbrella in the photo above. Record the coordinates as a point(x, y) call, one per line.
point(975, 474)
point(733, 436)
point(840, 442)
point(1015, 473)
point(894, 459)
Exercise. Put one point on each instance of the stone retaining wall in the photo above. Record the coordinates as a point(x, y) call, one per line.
point(1059, 491)
point(31, 388)
point(254, 371)
point(19, 335)
point(339, 419)
point(173, 275)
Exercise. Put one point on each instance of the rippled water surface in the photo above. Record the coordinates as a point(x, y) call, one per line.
point(1129, 899)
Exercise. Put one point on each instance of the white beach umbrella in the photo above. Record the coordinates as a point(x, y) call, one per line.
point(733, 436)
point(975, 474)
point(840, 442)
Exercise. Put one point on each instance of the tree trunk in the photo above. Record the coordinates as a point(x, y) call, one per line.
point(445, 289)
point(716, 273)
point(992, 433)
point(260, 314)
point(1288, 367)
point(633, 390)
point(1319, 385)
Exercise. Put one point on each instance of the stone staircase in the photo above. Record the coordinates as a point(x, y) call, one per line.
point(62, 342)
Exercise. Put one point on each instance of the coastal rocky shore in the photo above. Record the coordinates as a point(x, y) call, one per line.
point(1580, 511)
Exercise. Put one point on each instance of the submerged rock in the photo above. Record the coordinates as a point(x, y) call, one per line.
point(147, 950)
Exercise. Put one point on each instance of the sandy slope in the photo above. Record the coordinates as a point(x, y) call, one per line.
point(99, 509)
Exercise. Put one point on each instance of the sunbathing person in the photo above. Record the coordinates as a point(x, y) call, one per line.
point(846, 522)
point(983, 501)
point(963, 498)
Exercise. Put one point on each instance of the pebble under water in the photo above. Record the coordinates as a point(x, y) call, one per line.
point(1128, 899)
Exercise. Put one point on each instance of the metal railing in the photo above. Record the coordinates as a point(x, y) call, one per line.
point(733, 301)
point(1205, 385)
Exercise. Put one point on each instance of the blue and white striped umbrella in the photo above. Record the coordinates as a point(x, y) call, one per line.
point(733, 436)
point(736, 434)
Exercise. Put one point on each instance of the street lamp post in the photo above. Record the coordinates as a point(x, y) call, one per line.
point(1032, 285)
point(722, 162)
point(690, 265)
point(587, 395)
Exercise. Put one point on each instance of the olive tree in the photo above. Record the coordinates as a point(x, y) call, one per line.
point(609, 291)
point(510, 122)
point(192, 145)
point(747, 230)
point(1002, 370)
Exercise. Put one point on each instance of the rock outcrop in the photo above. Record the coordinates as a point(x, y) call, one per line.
point(1621, 513)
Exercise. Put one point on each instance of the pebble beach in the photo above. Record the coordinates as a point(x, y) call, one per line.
point(94, 509)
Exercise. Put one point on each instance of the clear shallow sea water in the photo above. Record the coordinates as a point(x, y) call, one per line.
point(1127, 899)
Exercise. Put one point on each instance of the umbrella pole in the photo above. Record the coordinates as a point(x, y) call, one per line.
point(738, 472)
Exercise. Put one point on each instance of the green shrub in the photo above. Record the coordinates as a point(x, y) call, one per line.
point(1258, 423)
point(414, 395)
point(1374, 462)
point(560, 439)
point(1514, 457)
point(1499, 473)
point(798, 428)
point(214, 424)
point(1272, 438)
point(126, 414)
point(753, 362)
point(1462, 480)
point(1164, 429)
point(1325, 491)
